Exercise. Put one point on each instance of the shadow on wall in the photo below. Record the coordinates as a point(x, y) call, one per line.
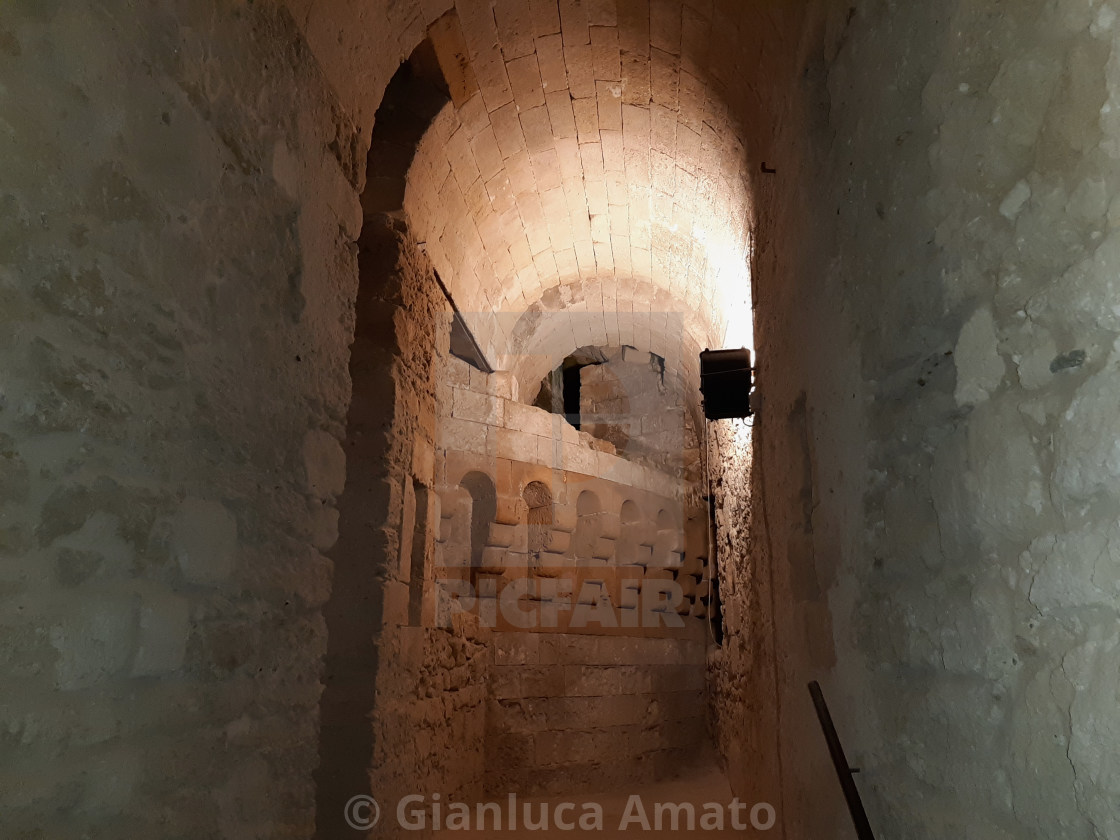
point(372, 532)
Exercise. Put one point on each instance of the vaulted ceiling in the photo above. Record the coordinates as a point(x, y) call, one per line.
point(587, 184)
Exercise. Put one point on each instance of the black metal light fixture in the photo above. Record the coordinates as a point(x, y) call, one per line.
point(725, 383)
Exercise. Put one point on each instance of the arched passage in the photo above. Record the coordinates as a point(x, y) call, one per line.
point(937, 253)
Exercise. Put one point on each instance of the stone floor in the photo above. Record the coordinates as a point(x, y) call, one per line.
point(622, 815)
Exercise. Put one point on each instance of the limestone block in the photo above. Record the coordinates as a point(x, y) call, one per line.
point(515, 445)
point(643, 555)
point(550, 452)
point(569, 434)
point(564, 518)
point(518, 559)
point(511, 510)
point(516, 648)
point(477, 408)
point(542, 681)
point(630, 577)
point(424, 461)
point(590, 592)
point(505, 681)
point(608, 524)
point(603, 548)
point(493, 560)
point(204, 541)
point(558, 541)
point(535, 421)
point(550, 564)
point(577, 459)
point(501, 535)
point(458, 435)
point(395, 604)
point(324, 463)
point(591, 681)
point(693, 565)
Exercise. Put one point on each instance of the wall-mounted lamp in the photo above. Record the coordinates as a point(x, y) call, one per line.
point(725, 383)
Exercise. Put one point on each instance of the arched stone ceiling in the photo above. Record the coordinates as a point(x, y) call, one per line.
point(587, 168)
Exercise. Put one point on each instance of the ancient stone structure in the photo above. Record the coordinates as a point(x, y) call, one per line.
point(281, 525)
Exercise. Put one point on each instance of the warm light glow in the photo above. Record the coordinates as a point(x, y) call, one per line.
point(729, 262)
point(740, 324)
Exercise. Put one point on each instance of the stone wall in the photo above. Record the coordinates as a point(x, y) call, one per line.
point(481, 415)
point(178, 273)
point(403, 705)
point(628, 400)
point(590, 713)
point(935, 481)
point(607, 685)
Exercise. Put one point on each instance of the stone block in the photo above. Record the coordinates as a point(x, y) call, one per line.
point(515, 445)
point(591, 681)
point(577, 459)
point(558, 542)
point(476, 407)
point(466, 436)
point(564, 518)
point(503, 384)
point(501, 535)
point(493, 559)
point(511, 510)
point(542, 681)
point(516, 648)
point(505, 681)
point(603, 548)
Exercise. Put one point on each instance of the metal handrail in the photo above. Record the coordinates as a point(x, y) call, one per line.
point(843, 771)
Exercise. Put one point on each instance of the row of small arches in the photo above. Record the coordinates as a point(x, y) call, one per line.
point(595, 533)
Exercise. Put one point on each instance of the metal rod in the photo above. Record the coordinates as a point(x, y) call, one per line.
point(843, 770)
point(485, 365)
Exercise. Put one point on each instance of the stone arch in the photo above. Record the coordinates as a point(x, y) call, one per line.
point(396, 301)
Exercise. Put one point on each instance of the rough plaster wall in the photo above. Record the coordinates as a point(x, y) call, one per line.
point(174, 381)
point(742, 697)
point(935, 289)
